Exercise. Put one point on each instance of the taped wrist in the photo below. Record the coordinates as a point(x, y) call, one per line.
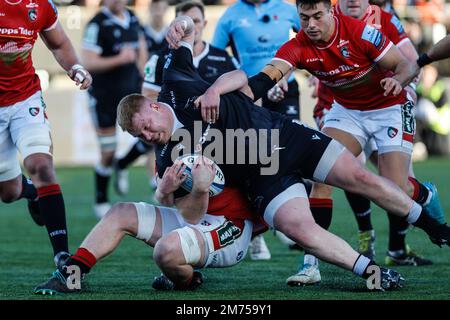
point(260, 84)
point(423, 60)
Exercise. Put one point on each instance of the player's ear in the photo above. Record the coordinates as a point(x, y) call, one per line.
point(205, 22)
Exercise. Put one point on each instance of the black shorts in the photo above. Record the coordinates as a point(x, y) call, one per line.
point(103, 106)
point(303, 153)
point(290, 105)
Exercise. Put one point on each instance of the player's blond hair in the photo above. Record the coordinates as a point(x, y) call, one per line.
point(127, 108)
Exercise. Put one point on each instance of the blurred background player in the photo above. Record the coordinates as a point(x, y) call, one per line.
point(114, 51)
point(255, 30)
point(155, 31)
point(24, 126)
point(210, 62)
point(399, 252)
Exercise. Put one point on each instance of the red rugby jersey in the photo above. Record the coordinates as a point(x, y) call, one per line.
point(346, 63)
point(20, 23)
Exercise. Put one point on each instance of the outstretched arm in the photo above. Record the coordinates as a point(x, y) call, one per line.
point(255, 87)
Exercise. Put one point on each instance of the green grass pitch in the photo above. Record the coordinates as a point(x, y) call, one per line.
point(25, 254)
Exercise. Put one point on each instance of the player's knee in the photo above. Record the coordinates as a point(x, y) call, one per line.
point(9, 196)
point(322, 191)
point(167, 249)
point(41, 168)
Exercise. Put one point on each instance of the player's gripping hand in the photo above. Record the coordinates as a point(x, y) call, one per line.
point(276, 94)
point(81, 76)
point(203, 173)
point(209, 104)
point(179, 28)
point(172, 178)
point(391, 85)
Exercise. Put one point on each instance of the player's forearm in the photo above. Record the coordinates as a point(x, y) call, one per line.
point(230, 81)
point(166, 199)
point(193, 206)
point(440, 50)
point(404, 72)
point(65, 55)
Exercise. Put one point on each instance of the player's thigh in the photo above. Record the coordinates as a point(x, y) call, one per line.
point(393, 128)
point(346, 126)
point(9, 163)
point(29, 127)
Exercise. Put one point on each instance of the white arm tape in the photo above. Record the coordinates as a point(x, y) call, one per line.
point(80, 76)
point(146, 215)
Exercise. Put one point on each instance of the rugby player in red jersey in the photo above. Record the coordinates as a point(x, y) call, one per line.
point(321, 196)
point(24, 126)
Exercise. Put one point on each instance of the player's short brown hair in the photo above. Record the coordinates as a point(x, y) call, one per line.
point(188, 5)
point(312, 3)
point(127, 108)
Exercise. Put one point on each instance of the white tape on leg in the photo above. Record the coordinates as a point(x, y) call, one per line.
point(146, 215)
point(189, 245)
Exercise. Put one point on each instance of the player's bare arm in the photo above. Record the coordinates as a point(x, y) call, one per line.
point(209, 102)
point(439, 51)
point(59, 44)
point(172, 179)
point(255, 87)
point(194, 205)
point(403, 71)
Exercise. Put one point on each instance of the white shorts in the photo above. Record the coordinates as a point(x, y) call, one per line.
point(23, 127)
point(226, 243)
point(392, 128)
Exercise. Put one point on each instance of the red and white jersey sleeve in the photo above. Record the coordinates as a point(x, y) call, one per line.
point(20, 24)
point(346, 63)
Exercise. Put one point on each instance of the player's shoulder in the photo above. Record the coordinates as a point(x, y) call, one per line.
point(391, 20)
point(42, 3)
point(99, 18)
point(133, 17)
point(235, 9)
point(351, 27)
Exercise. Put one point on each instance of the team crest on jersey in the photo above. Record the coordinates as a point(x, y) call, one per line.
point(32, 14)
point(344, 51)
point(205, 223)
point(34, 111)
point(392, 132)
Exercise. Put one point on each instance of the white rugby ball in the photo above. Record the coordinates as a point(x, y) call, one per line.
point(219, 179)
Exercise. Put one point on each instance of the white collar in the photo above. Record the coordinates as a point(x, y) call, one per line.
point(125, 23)
point(204, 53)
